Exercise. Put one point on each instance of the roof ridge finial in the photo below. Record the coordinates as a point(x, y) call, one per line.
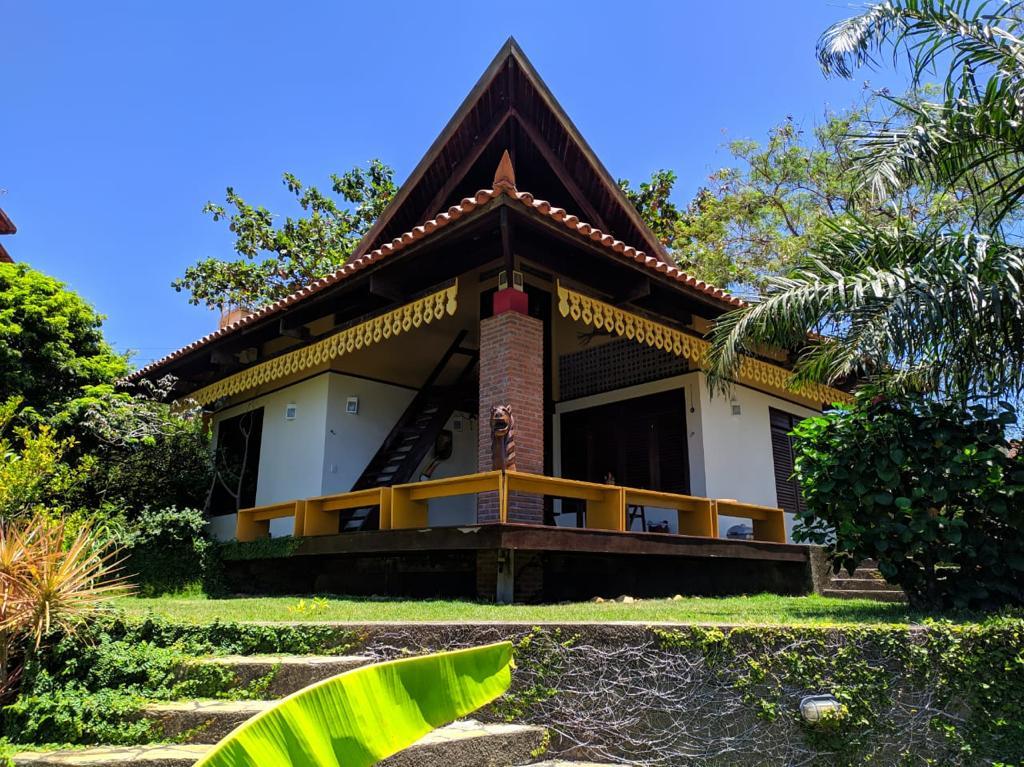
point(505, 175)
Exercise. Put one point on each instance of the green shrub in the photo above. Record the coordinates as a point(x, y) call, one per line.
point(167, 549)
point(929, 489)
point(74, 715)
point(90, 688)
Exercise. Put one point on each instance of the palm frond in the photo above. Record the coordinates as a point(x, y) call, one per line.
point(947, 307)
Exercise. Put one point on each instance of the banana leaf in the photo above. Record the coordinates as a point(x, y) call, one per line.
point(357, 718)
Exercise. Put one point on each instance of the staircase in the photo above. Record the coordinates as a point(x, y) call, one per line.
point(413, 436)
point(197, 724)
point(865, 583)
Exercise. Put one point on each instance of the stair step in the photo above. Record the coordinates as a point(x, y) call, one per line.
point(878, 596)
point(472, 744)
point(119, 756)
point(208, 720)
point(562, 763)
point(291, 672)
point(863, 572)
point(861, 584)
point(462, 744)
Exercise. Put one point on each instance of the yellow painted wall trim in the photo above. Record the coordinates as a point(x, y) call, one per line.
point(757, 373)
point(420, 312)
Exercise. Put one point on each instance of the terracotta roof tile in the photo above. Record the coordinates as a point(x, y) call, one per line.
point(468, 204)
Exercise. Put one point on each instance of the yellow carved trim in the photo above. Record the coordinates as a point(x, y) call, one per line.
point(760, 374)
point(420, 312)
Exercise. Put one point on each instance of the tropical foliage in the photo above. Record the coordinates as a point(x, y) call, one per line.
point(931, 490)
point(47, 584)
point(32, 467)
point(360, 717)
point(932, 304)
point(277, 259)
point(51, 344)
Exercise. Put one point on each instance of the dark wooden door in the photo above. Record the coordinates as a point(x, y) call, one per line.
point(641, 442)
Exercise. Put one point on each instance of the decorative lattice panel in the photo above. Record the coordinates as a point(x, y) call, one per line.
point(614, 365)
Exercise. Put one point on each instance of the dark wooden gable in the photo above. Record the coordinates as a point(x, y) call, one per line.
point(511, 108)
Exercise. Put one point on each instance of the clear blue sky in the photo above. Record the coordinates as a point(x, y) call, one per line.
point(119, 120)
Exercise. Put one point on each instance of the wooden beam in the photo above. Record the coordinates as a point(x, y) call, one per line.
point(459, 171)
point(385, 288)
point(507, 254)
point(292, 330)
point(633, 291)
point(593, 217)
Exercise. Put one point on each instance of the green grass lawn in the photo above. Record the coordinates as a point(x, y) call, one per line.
point(765, 609)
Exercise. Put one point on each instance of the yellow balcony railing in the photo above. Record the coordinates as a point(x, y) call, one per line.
point(404, 507)
point(254, 523)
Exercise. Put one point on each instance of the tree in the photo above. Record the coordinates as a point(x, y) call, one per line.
point(756, 218)
point(278, 260)
point(931, 304)
point(51, 343)
point(929, 489)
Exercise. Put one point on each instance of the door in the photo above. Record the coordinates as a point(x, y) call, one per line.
point(638, 442)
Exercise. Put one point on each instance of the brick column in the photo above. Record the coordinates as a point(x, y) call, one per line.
point(512, 372)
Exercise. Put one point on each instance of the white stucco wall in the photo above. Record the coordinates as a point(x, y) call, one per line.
point(738, 448)
point(324, 449)
point(352, 440)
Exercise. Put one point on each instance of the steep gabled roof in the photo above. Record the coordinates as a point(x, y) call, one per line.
point(503, 185)
point(511, 107)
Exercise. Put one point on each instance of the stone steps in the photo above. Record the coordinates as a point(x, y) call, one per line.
point(204, 721)
point(878, 596)
point(866, 582)
point(861, 584)
point(560, 763)
point(462, 744)
point(291, 672)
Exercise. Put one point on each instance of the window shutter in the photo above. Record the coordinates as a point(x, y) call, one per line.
point(786, 488)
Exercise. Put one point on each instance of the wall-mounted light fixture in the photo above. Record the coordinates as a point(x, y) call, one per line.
point(352, 406)
point(290, 411)
point(735, 403)
point(814, 708)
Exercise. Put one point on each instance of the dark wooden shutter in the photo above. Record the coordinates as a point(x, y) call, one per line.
point(786, 488)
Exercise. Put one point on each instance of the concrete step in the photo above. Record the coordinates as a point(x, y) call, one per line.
point(862, 572)
point(861, 584)
point(878, 596)
point(291, 672)
point(121, 756)
point(205, 721)
point(472, 744)
point(560, 763)
point(462, 744)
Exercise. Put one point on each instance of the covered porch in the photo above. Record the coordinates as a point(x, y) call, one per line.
point(507, 560)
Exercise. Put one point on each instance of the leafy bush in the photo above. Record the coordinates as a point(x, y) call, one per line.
point(930, 489)
point(33, 472)
point(89, 688)
point(167, 549)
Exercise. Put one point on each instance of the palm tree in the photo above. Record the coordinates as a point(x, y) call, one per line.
point(934, 306)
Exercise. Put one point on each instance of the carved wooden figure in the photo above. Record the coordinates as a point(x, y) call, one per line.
point(503, 438)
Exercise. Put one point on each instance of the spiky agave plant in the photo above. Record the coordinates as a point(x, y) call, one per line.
point(48, 583)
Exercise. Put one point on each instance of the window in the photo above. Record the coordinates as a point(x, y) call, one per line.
point(787, 490)
point(237, 462)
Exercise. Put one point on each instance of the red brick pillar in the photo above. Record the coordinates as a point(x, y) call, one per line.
point(512, 373)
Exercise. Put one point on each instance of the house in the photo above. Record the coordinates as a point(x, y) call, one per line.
point(509, 270)
point(6, 227)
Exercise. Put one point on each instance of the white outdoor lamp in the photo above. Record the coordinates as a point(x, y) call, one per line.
point(814, 708)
